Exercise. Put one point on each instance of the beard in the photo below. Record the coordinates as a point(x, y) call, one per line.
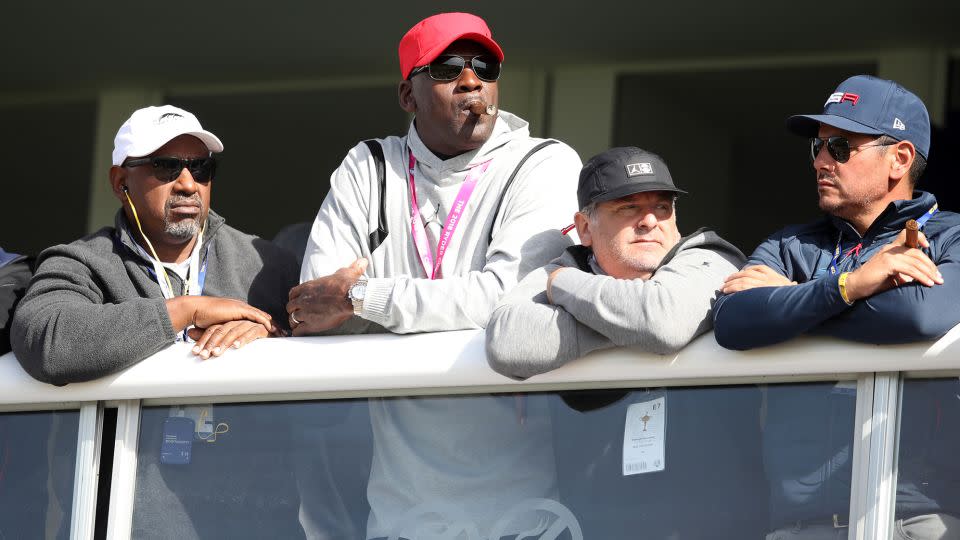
point(184, 228)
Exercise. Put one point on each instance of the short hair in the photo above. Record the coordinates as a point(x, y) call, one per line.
point(590, 210)
point(919, 162)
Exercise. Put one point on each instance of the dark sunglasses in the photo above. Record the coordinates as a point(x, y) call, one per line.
point(448, 67)
point(167, 169)
point(838, 147)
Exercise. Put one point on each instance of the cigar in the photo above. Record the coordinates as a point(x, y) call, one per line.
point(913, 229)
point(478, 108)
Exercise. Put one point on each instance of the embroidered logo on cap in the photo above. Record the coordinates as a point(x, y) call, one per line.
point(840, 97)
point(167, 117)
point(898, 124)
point(637, 169)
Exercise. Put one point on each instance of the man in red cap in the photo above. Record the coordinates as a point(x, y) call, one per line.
point(428, 237)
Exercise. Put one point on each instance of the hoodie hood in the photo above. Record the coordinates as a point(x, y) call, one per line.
point(508, 127)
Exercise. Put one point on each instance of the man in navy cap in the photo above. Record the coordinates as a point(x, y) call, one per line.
point(853, 274)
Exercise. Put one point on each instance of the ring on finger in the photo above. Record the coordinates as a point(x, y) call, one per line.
point(294, 320)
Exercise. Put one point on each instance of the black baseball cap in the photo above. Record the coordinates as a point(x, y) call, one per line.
point(622, 171)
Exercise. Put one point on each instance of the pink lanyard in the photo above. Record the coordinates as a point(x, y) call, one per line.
point(420, 241)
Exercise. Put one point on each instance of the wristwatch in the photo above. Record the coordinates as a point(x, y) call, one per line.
point(356, 293)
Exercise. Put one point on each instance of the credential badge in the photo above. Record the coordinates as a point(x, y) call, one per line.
point(637, 169)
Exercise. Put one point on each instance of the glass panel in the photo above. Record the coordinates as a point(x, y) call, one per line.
point(38, 453)
point(714, 462)
point(928, 471)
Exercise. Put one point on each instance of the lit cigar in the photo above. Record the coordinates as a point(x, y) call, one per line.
point(478, 108)
point(913, 229)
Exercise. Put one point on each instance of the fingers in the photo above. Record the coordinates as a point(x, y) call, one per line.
point(737, 284)
point(217, 339)
point(916, 265)
point(200, 348)
point(298, 290)
point(752, 277)
point(259, 316)
point(253, 333)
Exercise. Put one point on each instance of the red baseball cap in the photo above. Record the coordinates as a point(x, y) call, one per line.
point(428, 38)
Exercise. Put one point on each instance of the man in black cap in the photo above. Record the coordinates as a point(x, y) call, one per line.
point(633, 281)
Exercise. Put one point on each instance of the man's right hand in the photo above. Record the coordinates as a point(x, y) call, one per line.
point(894, 265)
point(206, 311)
point(321, 304)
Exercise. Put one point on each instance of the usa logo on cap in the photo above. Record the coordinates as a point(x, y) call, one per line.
point(840, 97)
point(637, 169)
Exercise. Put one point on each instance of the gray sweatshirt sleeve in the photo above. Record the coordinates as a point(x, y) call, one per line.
point(65, 330)
point(527, 335)
point(662, 314)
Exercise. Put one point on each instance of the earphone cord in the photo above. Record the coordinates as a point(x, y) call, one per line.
point(153, 251)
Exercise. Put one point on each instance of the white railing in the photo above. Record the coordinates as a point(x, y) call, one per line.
point(455, 363)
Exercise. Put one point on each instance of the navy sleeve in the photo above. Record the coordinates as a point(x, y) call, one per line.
point(905, 314)
point(769, 315)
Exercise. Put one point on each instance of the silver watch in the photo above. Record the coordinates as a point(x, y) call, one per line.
point(356, 294)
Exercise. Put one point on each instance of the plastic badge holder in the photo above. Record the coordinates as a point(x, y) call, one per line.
point(177, 442)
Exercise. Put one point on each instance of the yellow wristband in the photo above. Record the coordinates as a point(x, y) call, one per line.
point(842, 283)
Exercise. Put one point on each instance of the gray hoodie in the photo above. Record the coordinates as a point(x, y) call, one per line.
point(527, 335)
point(95, 308)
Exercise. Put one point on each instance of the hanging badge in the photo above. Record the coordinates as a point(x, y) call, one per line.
point(177, 444)
point(644, 437)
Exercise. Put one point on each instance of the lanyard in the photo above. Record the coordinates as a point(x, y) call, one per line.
point(420, 242)
point(856, 249)
point(195, 279)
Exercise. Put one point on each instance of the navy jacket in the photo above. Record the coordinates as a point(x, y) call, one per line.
point(803, 253)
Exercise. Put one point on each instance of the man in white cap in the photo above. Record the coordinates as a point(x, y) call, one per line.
point(111, 299)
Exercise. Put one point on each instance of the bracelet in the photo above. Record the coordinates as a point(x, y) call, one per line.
point(842, 283)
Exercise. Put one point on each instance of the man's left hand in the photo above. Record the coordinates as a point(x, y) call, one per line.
point(321, 304)
point(216, 339)
point(754, 276)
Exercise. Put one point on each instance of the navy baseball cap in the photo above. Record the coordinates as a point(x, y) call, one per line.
point(871, 106)
point(623, 171)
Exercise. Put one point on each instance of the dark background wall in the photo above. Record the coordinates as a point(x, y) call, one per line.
point(280, 148)
point(46, 151)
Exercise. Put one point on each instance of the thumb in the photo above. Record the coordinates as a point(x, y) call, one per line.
point(359, 266)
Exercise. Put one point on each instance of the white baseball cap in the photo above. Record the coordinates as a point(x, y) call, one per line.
point(152, 127)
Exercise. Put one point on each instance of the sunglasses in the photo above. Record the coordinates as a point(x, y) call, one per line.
point(167, 169)
point(448, 67)
point(838, 147)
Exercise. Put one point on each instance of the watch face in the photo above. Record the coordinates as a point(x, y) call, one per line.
point(357, 291)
